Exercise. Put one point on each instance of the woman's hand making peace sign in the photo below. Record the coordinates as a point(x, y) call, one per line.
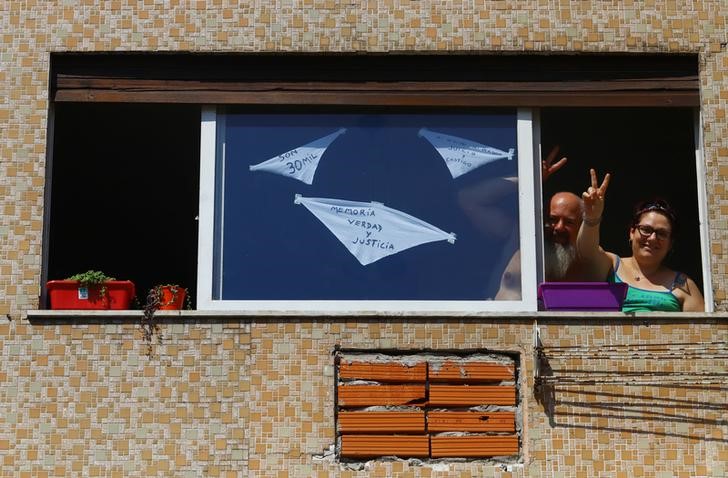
point(594, 199)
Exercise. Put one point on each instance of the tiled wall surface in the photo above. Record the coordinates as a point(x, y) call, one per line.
point(254, 398)
point(31, 30)
point(257, 398)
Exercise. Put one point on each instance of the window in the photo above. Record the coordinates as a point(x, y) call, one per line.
point(124, 193)
point(377, 125)
point(375, 206)
point(650, 152)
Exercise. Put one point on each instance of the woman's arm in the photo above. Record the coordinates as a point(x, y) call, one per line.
point(693, 301)
point(596, 261)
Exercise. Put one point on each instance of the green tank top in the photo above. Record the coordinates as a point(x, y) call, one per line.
point(642, 300)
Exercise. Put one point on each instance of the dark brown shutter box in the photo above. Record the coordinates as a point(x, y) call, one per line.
point(378, 80)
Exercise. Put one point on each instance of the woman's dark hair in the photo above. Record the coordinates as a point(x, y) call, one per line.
point(659, 206)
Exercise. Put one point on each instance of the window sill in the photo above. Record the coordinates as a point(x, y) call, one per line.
point(293, 314)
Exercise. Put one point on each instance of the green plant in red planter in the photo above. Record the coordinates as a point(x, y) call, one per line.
point(90, 290)
point(161, 297)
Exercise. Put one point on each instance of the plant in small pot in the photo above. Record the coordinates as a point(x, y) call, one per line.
point(90, 290)
point(171, 296)
point(161, 297)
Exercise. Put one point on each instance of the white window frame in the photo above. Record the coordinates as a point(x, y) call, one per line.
point(703, 213)
point(526, 168)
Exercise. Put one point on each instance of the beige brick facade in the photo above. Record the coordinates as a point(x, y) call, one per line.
point(246, 396)
point(235, 398)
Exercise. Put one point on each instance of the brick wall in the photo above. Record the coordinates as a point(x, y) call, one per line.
point(32, 30)
point(254, 397)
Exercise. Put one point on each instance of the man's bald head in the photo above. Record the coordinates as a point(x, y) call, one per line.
point(564, 218)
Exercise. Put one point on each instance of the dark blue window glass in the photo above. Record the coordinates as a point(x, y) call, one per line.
point(267, 247)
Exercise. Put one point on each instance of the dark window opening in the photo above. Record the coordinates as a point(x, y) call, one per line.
point(649, 151)
point(121, 121)
point(124, 195)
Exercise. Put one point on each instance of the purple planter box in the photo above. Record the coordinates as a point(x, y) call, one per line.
point(594, 296)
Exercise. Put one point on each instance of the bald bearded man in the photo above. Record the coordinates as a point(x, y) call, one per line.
point(561, 229)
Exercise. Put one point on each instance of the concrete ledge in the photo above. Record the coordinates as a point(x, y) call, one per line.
point(294, 314)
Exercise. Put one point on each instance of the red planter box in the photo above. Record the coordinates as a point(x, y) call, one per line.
point(594, 296)
point(69, 295)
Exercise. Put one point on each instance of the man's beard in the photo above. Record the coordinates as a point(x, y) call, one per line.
point(558, 258)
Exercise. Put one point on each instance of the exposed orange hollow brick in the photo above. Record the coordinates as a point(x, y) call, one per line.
point(471, 421)
point(364, 446)
point(463, 395)
point(369, 395)
point(388, 422)
point(383, 372)
point(473, 446)
point(470, 372)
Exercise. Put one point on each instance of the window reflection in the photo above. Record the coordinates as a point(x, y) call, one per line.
point(451, 178)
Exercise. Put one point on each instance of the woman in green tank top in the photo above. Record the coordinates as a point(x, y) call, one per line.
point(652, 285)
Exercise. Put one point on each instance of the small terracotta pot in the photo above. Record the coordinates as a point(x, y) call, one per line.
point(171, 301)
